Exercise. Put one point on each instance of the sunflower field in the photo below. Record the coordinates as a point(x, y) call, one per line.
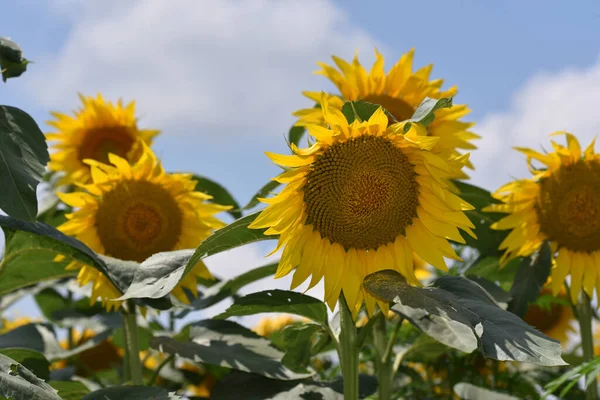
point(432, 288)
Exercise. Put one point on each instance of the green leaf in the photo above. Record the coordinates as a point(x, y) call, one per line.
point(70, 390)
point(18, 383)
point(462, 316)
point(363, 110)
point(572, 376)
point(284, 301)
point(57, 308)
point(264, 191)
point(531, 276)
point(425, 113)
point(144, 337)
point(499, 294)
point(489, 267)
point(467, 391)
point(23, 155)
point(260, 388)
point(474, 195)
point(425, 348)
point(30, 359)
point(132, 393)
point(219, 194)
point(228, 344)
point(12, 63)
point(296, 134)
point(225, 289)
point(298, 345)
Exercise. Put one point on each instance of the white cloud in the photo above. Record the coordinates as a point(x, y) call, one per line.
point(198, 64)
point(568, 100)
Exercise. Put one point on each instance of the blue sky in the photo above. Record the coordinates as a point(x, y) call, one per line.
point(221, 78)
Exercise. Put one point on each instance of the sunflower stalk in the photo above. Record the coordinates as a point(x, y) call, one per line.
point(384, 349)
point(348, 350)
point(130, 330)
point(585, 315)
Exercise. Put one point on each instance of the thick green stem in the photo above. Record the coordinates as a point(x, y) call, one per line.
point(131, 342)
point(348, 351)
point(584, 315)
point(384, 350)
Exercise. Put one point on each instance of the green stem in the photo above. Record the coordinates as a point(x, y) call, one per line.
point(130, 330)
point(348, 351)
point(584, 315)
point(157, 372)
point(383, 361)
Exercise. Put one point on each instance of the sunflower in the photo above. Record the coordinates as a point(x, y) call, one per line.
point(359, 200)
point(268, 325)
point(554, 321)
point(7, 325)
point(558, 204)
point(400, 92)
point(97, 129)
point(98, 358)
point(131, 212)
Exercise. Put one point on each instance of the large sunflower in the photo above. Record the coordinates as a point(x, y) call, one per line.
point(133, 211)
point(361, 199)
point(559, 204)
point(96, 130)
point(400, 92)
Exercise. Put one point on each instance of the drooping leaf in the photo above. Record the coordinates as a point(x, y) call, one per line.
point(298, 345)
point(464, 321)
point(132, 393)
point(230, 345)
point(531, 276)
point(219, 194)
point(264, 191)
point(23, 155)
point(363, 110)
point(467, 391)
point(256, 387)
point(70, 390)
point(19, 383)
point(12, 63)
point(285, 301)
point(425, 112)
point(500, 295)
point(296, 134)
point(225, 289)
point(30, 359)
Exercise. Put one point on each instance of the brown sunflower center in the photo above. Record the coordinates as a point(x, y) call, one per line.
point(98, 143)
point(361, 193)
point(397, 107)
point(543, 319)
point(568, 206)
point(137, 219)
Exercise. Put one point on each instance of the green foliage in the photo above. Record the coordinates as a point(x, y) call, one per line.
point(12, 63)
point(70, 390)
point(296, 134)
point(361, 110)
point(23, 155)
point(30, 359)
point(219, 194)
point(264, 191)
point(132, 393)
point(278, 301)
point(19, 383)
point(460, 314)
point(531, 276)
point(298, 339)
point(467, 391)
point(425, 113)
point(569, 379)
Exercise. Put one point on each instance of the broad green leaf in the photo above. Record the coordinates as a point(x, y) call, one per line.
point(285, 301)
point(499, 294)
point(362, 109)
point(19, 383)
point(70, 390)
point(219, 194)
point(60, 310)
point(132, 393)
point(225, 289)
point(228, 344)
point(467, 391)
point(489, 267)
point(298, 345)
point(461, 316)
point(425, 348)
point(474, 195)
point(23, 155)
point(30, 359)
point(296, 134)
point(264, 191)
point(531, 276)
point(7, 300)
point(425, 113)
point(12, 63)
point(465, 288)
point(158, 275)
point(260, 388)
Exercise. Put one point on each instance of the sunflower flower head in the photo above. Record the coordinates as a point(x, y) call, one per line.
point(96, 130)
point(558, 204)
point(132, 211)
point(554, 320)
point(399, 91)
point(361, 199)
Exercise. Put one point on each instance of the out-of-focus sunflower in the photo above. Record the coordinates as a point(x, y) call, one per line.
point(7, 325)
point(361, 199)
point(554, 321)
point(558, 204)
point(268, 325)
point(98, 358)
point(131, 212)
point(96, 130)
point(400, 92)
point(207, 381)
